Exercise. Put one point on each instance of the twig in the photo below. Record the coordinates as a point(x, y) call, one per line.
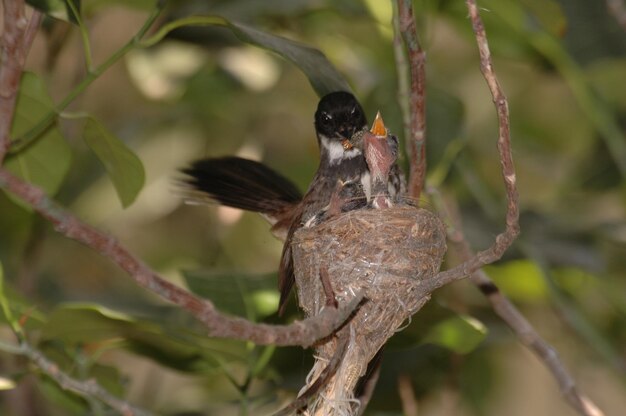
point(503, 307)
point(510, 233)
point(504, 133)
point(407, 396)
point(618, 10)
point(304, 333)
point(417, 103)
point(331, 301)
point(84, 388)
point(506, 310)
point(343, 339)
point(371, 379)
point(17, 38)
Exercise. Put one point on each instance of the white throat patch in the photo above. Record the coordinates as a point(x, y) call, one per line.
point(336, 152)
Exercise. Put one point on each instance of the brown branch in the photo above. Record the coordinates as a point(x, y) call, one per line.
point(504, 132)
point(506, 310)
point(618, 10)
point(505, 238)
point(370, 384)
point(343, 339)
point(17, 37)
point(502, 306)
point(304, 333)
point(417, 98)
point(407, 396)
point(84, 388)
point(331, 301)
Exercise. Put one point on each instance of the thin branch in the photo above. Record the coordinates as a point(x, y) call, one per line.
point(617, 8)
point(417, 102)
point(506, 310)
point(304, 333)
point(343, 339)
point(84, 388)
point(17, 38)
point(88, 388)
point(370, 384)
point(331, 301)
point(407, 396)
point(504, 132)
point(505, 238)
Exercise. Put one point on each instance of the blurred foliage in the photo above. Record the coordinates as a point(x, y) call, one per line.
point(211, 80)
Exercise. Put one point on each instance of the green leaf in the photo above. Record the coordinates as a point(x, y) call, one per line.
point(172, 347)
point(321, 73)
point(461, 334)
point(58, 9)
point(122, 165)
point(46, 161)
point(521, 280)
point(109, 377)
point(252, 296)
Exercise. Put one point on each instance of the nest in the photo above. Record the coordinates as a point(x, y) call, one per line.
point(380, 253)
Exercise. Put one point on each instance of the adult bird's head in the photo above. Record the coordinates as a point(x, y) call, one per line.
point(339, 115)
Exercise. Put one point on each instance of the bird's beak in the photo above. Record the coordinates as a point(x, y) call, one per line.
point(378, 127)
point(346, 144)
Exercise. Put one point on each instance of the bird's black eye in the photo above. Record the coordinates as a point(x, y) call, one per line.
point(353, 111)
point(326, 117)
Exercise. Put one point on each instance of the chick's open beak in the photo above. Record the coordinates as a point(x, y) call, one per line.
point(378, 127)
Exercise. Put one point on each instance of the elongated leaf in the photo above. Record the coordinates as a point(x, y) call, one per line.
point(171, 347)
point(321, 73)
point(45, 162)
point(122, 165)
point(461, 334)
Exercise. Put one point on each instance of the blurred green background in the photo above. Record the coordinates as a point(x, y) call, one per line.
point(202, 92)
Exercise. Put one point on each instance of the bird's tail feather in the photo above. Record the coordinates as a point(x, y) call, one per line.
point(239, 183)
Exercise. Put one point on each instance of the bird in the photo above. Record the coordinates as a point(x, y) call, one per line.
point(245, 184)
point(253, 186)
point(380, 150)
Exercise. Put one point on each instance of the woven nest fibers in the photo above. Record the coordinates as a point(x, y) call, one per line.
point(381, 253)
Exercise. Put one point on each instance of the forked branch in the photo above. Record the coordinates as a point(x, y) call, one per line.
point(511, 231)
point(85, 388)
point(303, 333)
point(506, 310)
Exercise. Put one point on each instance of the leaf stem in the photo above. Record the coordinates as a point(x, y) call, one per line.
point(84, 34)
point(47, 121)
